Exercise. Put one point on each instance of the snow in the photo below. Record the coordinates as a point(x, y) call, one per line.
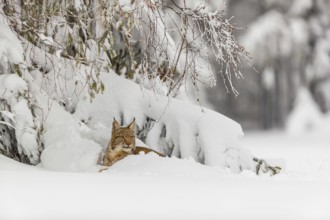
point(270, 32)
point(301, 7)
point(75, 142)
point(10, 47)
point(46, 40)
point(208, 6)
point(305, 155)
point(323, 93)
point(268, 78)
point(70, 140)
point(66, 149)
point(9, 115)
point(10, 86)
point(152, 187)
point(12, 90)
point(321, 60)
point(306, 116)
point(299, 31)
point(191, 131)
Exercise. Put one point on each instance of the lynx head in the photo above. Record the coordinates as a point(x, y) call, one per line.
point(123, 138)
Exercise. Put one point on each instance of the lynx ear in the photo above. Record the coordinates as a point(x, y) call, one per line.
point(132, 125)
point(115, 125)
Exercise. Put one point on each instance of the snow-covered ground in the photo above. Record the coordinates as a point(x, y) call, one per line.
point(306, 156)
point(150, 187)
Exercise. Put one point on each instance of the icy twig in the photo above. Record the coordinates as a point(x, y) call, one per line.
point(264, 167)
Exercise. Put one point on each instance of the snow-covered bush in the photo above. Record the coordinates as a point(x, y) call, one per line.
point(76, 74)
point(19, 136)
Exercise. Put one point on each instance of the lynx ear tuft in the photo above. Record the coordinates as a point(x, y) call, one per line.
point(132, 125)
point(115, 125)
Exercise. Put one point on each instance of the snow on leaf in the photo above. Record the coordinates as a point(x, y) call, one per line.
point(46, 40)
point(10, 47)
point(8, 124)
point(9, 115)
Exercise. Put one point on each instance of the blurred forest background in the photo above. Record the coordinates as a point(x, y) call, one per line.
point(289, 42)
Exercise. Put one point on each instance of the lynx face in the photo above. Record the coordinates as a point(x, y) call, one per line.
point(122, 143)
point(123, 139)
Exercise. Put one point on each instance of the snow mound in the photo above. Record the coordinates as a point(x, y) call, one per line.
point(306, 116)
point(66, 149)
point(7, 164)
point(178, 127)
point(153, 165)
point(174, 127)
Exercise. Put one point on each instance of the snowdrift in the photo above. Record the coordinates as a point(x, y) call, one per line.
point(177, 128)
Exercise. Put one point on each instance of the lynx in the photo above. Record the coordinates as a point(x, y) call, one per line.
point(122, 144)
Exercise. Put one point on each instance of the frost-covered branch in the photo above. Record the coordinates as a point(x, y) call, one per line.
point(180, 42)
point(164, 43)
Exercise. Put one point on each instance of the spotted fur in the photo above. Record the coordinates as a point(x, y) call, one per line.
point(122, 144)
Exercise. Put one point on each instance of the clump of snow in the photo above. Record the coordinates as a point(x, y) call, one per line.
point(12, 89)
point(10, 47)
point(207, 6)
point(10, 116)
point(46, 40)
point(10, 86)
point(306, 116)
point(65, 146)
point(26, 134)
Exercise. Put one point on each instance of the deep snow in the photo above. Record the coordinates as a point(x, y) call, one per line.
point(151, 187)
point(146, 186)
